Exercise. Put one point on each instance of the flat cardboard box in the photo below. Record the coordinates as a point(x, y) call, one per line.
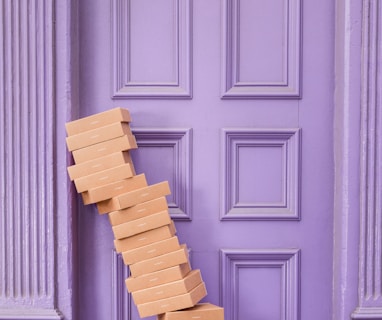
point(151, 250)
point(123, 143)
point(135, 197)
point(134, 227)
point(145, 238)
point(97, 120)
point(160, 262)
point(114, 189)
point(170, 289)
point(138, 211)
point(88, 138)
point(182, 301)
point(202, 311)
point(105, 177)
point(100, 164)
point(158, 277)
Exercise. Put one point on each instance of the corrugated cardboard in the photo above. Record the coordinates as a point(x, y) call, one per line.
point(88, 138)
point(150, 222)
point(97, 120)
point(170, 289)
point(161, 262)
point(135, 197)
point(202, 311)
point(150, 251)
point(99, 164)
point(102, 149)
point(145, 238)
point(138, 211)
point(187, 300)
point(105, 177)
point(113, 189)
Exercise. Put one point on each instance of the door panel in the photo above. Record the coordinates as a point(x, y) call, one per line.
point(233, 105)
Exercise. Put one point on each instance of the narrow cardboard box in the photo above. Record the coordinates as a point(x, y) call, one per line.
point(151, 250)
point(97, 120)
point(99, 164)
point(157, 278)
point(160, 262)
point(113, 189)
point(139, 211)
point(105, 177)
point(102, 149)
point(202, 311)
point(183, 301)
point(134, 227)
point(145, 238)
point(88, 138)
point(169, 289)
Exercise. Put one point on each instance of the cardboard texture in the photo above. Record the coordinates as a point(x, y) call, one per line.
point(102, 178)
point(151, 192)
point(157, 278)
point(161, 262)
point(100, 164)
point(173, 303)
point(150, 251)
point(202, 311)
point(113, 189)
point(97, 120)
point(169, 289)
point(150, 222)
point(145, 238)
point(138, 211)
point(105, 148)
point(98, 135)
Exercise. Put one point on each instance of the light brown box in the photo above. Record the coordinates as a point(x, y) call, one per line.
point(105, 177)
point(134, 227)
point(99, 164)
point(158, 277)
point(161, 262)
point(202, 311)
point(97, 120)
point(135, 197)
point(113, 189)
point(145, 238)
point(102, 149)
point(151, 250)
point(170, 289)
point(88, 138)
point(139, 211)
point(182, 301)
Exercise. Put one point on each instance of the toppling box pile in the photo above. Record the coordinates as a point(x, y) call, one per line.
point(161, 280)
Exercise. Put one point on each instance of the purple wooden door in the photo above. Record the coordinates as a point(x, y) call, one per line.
point(232, 103)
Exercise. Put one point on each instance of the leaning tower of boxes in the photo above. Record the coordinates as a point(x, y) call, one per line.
point(161, 280)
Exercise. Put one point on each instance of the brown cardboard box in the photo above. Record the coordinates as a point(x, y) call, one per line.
point(150, 222)
point(98, 135)
point(157, 278)
point(97, 120)
point(99, 164)
point(160, 262)
point(102, 149)
point(145, 238)
point(135, 197)
point(139, 211)
point(202, 311)
point(182, 301)
point(113, 189)
point(151, 250)
point(170, 289)
point(105, 177)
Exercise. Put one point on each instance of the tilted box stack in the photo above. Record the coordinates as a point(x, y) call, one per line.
point(161, 280)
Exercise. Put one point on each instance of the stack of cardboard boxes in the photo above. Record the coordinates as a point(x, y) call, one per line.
point(161, 280)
